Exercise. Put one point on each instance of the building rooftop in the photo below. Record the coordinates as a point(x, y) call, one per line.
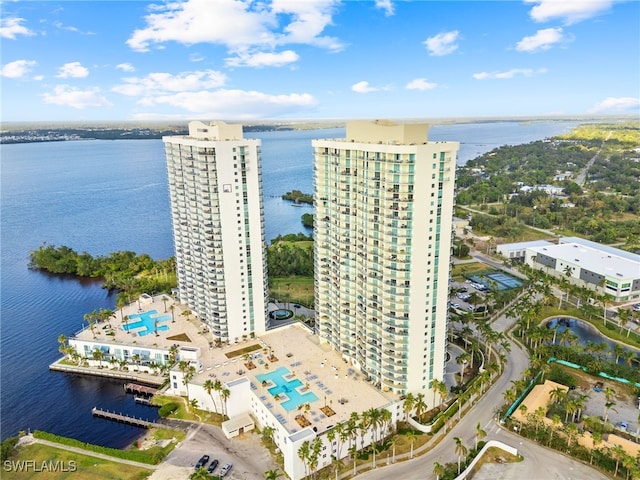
point(598, 246)
point(592, 259)
point(321, 370)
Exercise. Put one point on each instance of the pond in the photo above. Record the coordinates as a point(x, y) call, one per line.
point(585, 333)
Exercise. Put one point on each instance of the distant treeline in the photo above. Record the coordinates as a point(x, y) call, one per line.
point(124, 271)
point(65, 134)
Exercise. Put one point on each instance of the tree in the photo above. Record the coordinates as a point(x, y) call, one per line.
point(200, 474)
point(193, 403)
point(209, 387)
point(480, 434)
point(618, 453)
point(461, 450)
point(303, 453)
point(272, 474)
point(420, 405)
point(411, 435)
point(99, 356)
point(408, 405)
point(607, 407)
point(225, 393)
point(462, 359)
point(438, 470)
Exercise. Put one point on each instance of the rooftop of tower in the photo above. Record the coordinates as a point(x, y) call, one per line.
point(386, 131)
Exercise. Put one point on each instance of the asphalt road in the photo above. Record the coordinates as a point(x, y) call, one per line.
point(539, 462)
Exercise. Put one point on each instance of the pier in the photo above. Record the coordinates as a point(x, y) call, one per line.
point(140, 389)
point(118, 417)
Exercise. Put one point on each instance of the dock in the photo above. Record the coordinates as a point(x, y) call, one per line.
point(140, 389)
point(144, 401)
point(118, 417)
point(108, 373)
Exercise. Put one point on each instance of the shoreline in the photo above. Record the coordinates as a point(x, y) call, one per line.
point(107, 373)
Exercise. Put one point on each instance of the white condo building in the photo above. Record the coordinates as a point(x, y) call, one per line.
point(218, 227)
point(383, 225)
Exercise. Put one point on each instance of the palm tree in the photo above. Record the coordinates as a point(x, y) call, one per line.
point(225, 393)
point(607, 407)
point(408, 405)
point(462, 359)
point(98, 355)
point(200, 474)
point(411, 435)
point(208, 387)
point(173, 318)
point(193, 403)
point(480, 434)
point(420, 405)
point(272, 474)
point(439, 388)
point(597, 440)
point(461, 450)
point(303, 453)
point(618, 453)
point(438, 470)
point(267, 433)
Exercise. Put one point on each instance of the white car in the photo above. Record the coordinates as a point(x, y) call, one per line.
point(224, 470)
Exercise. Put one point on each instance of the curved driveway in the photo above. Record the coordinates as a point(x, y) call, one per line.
point(538, 463)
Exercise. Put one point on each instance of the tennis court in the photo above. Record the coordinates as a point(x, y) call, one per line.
point(496, 280)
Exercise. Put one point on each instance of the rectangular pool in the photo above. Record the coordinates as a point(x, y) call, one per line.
point(286, 387)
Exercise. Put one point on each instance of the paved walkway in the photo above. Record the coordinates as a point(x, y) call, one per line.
point(30, 439)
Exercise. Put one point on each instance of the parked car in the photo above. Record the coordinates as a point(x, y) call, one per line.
point(202, 462)
point(224, 470)
point(212, 467)
point(623, 426)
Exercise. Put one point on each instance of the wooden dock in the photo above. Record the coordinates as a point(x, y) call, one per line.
point(140, 389)
point(118, 417)
point(145, 401)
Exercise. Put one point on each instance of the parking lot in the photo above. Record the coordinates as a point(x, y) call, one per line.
point(249, 458)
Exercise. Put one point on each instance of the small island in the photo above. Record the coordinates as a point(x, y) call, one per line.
point(297, 197)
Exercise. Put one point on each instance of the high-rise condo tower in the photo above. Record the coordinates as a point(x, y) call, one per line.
point(218, 227)
point(384, 207)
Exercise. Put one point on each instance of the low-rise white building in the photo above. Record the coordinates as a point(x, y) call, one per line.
point(300, 368)
point(599, 267)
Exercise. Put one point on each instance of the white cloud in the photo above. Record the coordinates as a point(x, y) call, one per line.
point(17, 69)
point(616, 105)
point(385, 5)
point(195, 57)
point(263, 59)
point(126, 67)
point(442, 43)
point(228, 103)
point(527, 72)
point(238, 25)
point(159, 83)
point(12, 27)
point(363, 87)
point(72, 70)
point(569, 11)
point(65, 95)
point(542, 40)
point(61, 26)
point(420, 84)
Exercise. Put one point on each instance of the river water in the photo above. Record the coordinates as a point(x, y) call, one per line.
point(103, 196)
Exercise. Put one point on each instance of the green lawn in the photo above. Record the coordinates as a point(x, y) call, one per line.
point(85, 466)
point(293, 289)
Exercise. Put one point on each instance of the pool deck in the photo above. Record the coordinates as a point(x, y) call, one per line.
point(319, 368)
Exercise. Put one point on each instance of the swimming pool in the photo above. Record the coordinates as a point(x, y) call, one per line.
point(286, 387)
point(146, 320)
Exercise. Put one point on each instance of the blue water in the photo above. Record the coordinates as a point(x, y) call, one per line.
point(287, 387)
point(585, 333)
point(148, 322)
point(97, 196)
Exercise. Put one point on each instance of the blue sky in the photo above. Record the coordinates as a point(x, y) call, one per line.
point(317, 59)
